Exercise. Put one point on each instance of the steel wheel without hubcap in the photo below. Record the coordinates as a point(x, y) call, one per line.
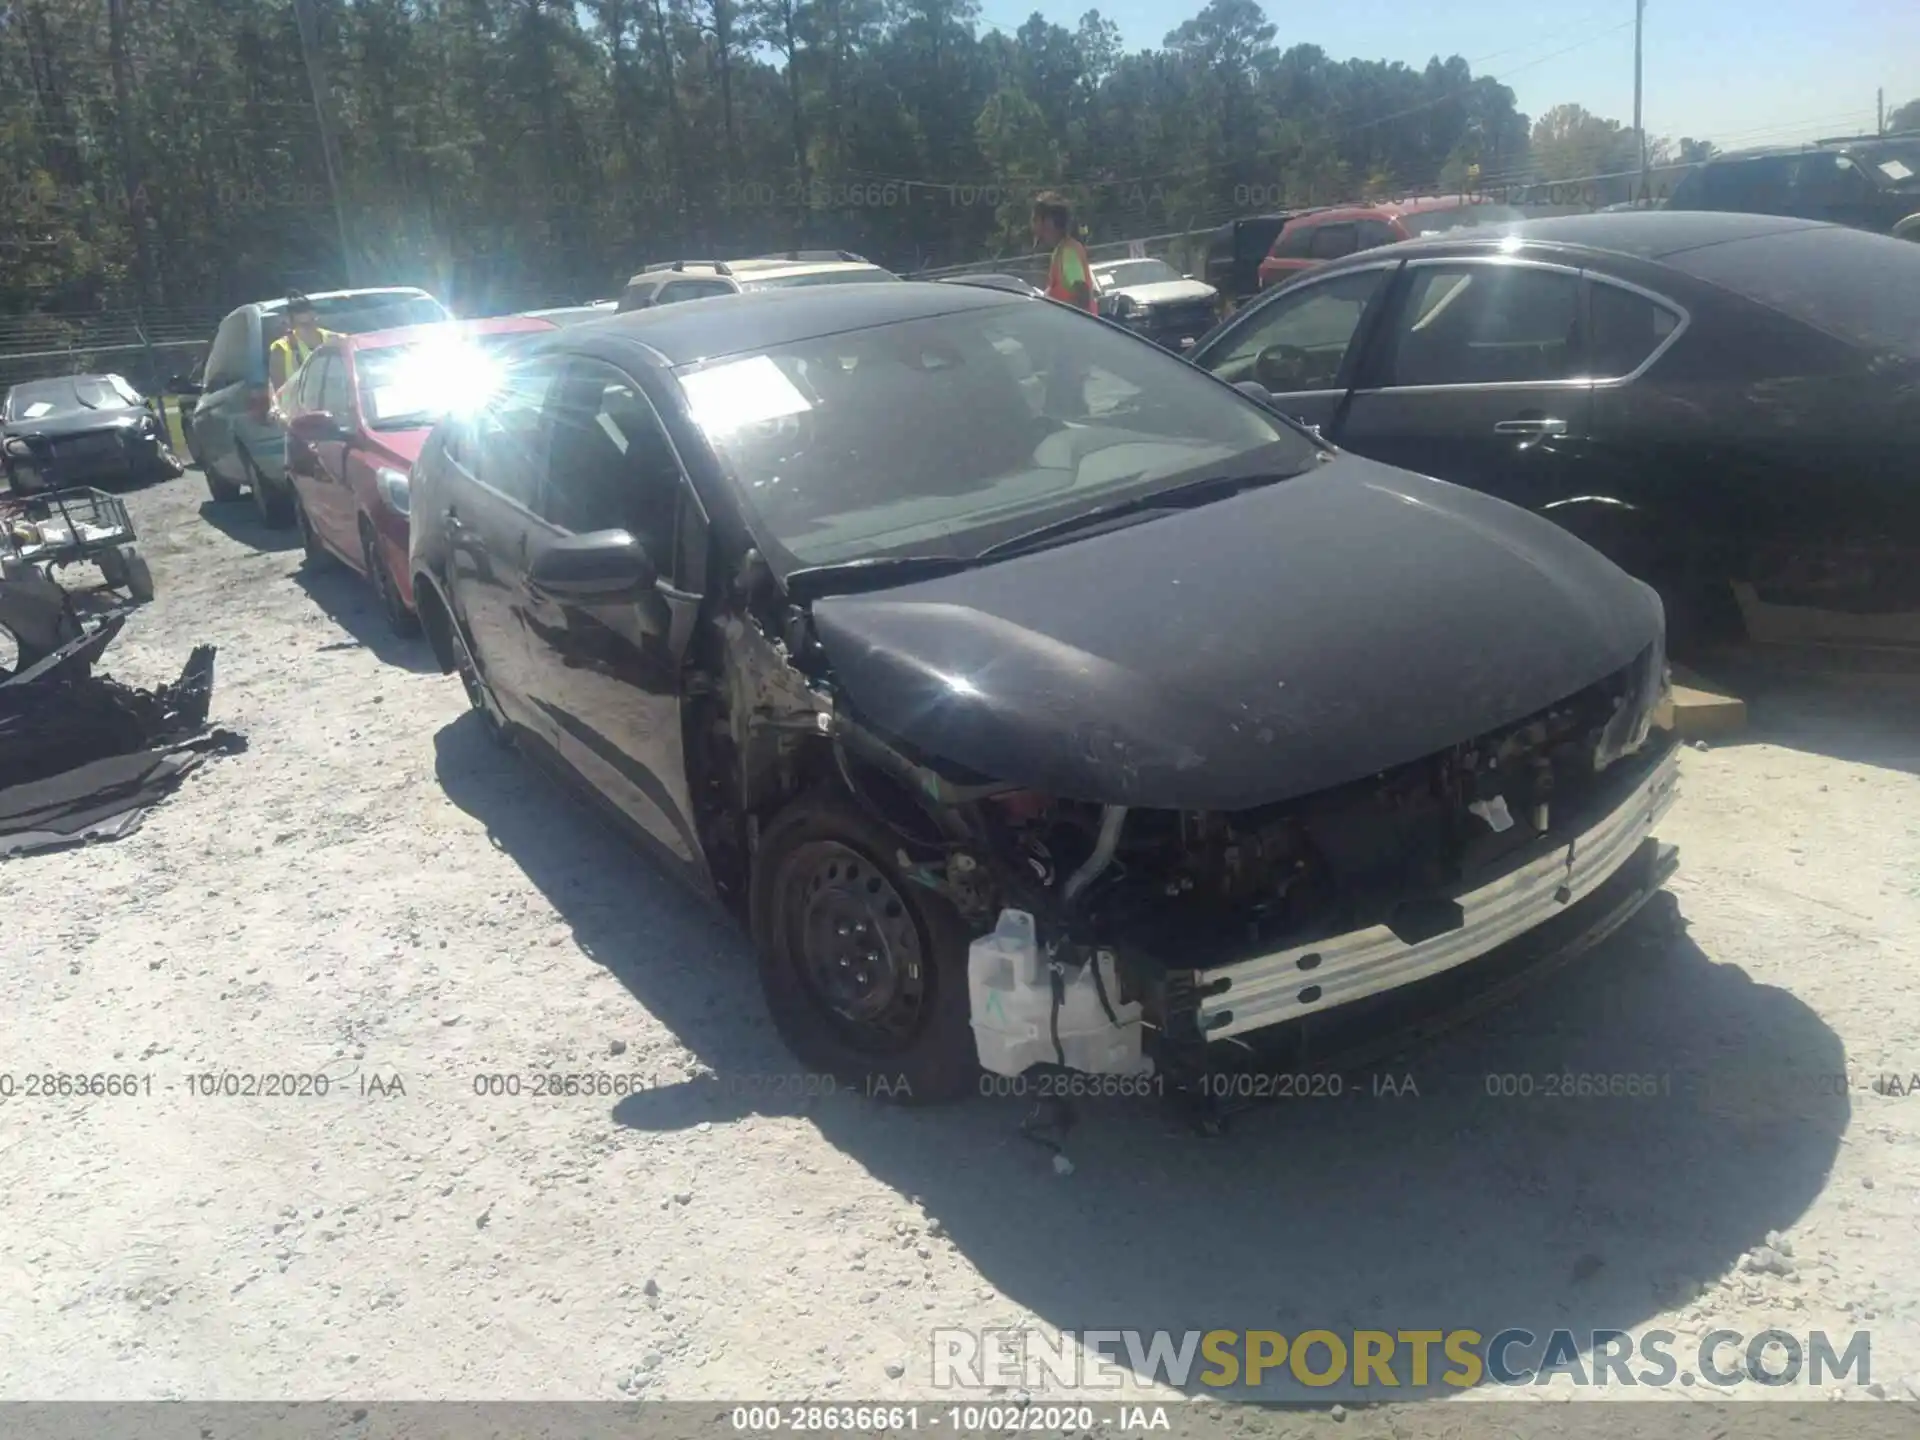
point(856, 945)
point(865, 974)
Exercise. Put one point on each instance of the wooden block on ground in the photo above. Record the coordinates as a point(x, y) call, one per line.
point(1697, 711)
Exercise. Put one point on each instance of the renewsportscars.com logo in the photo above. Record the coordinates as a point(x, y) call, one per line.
point(1267, 1360)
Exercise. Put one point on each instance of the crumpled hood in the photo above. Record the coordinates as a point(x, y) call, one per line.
point(1166, 292)
point(1258, 649)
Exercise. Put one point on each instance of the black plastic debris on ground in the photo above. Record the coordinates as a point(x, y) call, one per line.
point(84, 757)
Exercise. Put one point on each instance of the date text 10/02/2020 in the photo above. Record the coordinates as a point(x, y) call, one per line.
point(956, 1419)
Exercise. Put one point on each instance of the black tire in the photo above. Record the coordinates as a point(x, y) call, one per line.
point(479, 693)
point(402, 621)
point(899, 1027)
point(139, 575)
point(315, 555)
point(274, 504)
point(222, 491)
point(1908, 229)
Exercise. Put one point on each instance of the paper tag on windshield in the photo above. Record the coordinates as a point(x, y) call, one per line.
point(1894, 170)
point(391, 400)
point(745, 392)
point(36, 410)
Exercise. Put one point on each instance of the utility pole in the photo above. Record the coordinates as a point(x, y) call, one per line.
point(129, 160)
point(317, 79)
point(1639, 134)
point(1880, 112)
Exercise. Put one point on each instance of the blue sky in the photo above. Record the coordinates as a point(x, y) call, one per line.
point(1731, 72)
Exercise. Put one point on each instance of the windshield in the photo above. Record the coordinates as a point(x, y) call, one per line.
point(819, 277)
point(49, 399)
point(1460, 217)
point(1897, 167)
point(944, 434)
point(1135, 272)
point(411, 387)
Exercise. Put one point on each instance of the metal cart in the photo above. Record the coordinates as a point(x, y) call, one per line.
point(43, 533)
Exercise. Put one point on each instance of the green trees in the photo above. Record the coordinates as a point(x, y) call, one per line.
point(513, 152)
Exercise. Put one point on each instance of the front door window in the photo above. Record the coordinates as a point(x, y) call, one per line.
point(1299, 342)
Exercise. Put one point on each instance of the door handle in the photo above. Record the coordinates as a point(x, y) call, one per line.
point(1532, 425)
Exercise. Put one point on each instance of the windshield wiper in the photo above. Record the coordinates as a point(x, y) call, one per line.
point(1189, 494)
point(872, 570)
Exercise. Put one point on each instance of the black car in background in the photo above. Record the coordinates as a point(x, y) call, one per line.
point(1728, 405)
point(1871, 182)
point(80, 430)
point(925, 624)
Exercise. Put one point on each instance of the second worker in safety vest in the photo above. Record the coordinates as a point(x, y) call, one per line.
point(303, 337)
point(1069, 278)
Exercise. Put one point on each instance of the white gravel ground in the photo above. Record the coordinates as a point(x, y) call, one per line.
point(371, 894)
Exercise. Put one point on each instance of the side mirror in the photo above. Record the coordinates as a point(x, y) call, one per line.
point(316, 426)
point(1254, 390)
point(604, 564)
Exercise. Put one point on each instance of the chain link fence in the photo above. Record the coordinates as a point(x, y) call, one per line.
point(144, 346)
point(1185, 250)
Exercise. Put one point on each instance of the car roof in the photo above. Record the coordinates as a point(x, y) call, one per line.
point(592, 307)
point(269, 307)
point(1389, 209)
point(1644, 234)
point(1897, 139)
point(756, 269)
point(718, 325)
point(407, 334)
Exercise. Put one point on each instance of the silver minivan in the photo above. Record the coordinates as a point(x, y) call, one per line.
point(231, 430)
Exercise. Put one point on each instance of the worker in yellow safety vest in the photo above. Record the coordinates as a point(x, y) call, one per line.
point(303, 337)
point(1069, 278)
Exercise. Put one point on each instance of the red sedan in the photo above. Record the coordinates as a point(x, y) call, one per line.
point(356, 416)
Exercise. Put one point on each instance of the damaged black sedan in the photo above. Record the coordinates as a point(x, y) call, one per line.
point(80, 430)
point(1034, 697)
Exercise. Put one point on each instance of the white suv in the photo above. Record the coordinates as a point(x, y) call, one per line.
point(673, 280)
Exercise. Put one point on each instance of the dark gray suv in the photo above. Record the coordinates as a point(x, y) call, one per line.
point(232, 433)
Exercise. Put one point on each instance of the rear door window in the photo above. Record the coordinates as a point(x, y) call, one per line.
point(692, 290)
point(1374, 233)
point(227, 360)
point(1295, 242)
point(1625, 328)
point(1330, 242)
point(1484, 325)
point(1757, 187)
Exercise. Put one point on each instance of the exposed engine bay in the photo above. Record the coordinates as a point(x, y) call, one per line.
point(1137, 905)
